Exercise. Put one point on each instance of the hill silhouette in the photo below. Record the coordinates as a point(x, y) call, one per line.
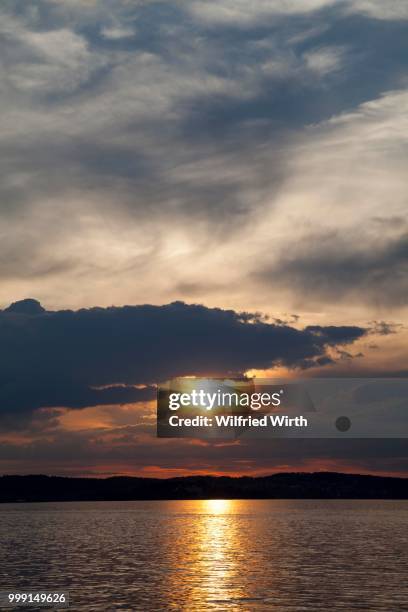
point(318, 485)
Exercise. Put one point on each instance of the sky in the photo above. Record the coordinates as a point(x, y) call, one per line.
point(196, 188)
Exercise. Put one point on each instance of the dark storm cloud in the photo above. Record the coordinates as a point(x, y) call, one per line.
point(337, 269)
point(63, 358)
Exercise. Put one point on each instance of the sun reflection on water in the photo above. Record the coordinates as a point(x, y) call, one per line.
point(214, 551)
point(217, 506)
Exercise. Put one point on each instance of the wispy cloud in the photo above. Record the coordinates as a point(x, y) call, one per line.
point(344, 251)
point(160, 137)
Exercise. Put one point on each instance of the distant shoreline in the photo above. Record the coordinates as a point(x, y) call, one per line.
point(317, 485)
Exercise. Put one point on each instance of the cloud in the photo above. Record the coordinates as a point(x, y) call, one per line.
point(117, 32)
point(340, 270)
point(394, 10)
point(45, 62)
point(384, 328)
point(97, 356)
point(347, 194)
point(239, 152)
point(135, 450)
point(239, 12)
point(183, 149)
point(324, 60)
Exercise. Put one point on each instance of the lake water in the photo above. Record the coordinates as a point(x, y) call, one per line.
point(210, 555)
